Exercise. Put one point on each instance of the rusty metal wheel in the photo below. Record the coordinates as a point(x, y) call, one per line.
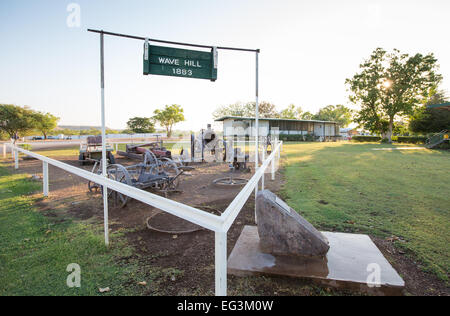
point(120, 174)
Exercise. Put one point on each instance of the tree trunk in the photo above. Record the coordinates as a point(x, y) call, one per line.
point(391, 127)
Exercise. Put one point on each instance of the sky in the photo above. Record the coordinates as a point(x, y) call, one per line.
point(308, 49)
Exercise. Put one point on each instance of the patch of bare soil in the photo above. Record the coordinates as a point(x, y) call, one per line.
point(191, 255)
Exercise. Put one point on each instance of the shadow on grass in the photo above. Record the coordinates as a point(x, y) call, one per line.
point(348, 187)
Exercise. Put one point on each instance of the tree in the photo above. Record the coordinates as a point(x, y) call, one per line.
point(235, 109)
point(391, 86)
point(168, 117)
point(45, 122)
point(266, 110)
point(16, 121)
point(141, 125)
point(307, 116)
point(335, 113)
point(429, 120)
point(291, 112)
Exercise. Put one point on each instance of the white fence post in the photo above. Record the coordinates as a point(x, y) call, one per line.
point(4, 150)
point(218, 224)
point(16, 159)
point(273, 168)
point(256, 169)
point(221, 263)
point(279, 151)
point(45, 177)
point(264, 171)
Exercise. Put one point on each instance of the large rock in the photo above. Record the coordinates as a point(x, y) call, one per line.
point(282, 231)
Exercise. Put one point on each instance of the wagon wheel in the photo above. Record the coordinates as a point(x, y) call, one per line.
point(230, 181)
point(120, 174)
point(170, 168)
point(94, 187)
point(150, 158)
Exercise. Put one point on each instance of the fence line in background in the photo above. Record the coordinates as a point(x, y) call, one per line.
point(219, 224)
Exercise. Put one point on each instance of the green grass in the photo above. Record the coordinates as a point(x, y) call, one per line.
point(349, 187)
point(70, 151)
point(35, 250)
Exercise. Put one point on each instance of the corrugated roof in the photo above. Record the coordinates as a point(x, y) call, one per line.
point(268, 119)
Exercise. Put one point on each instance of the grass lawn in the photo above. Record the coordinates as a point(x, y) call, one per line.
point(350, 187)
point(345, 187)
point(35, 250)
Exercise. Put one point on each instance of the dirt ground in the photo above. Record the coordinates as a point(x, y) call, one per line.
point(192, 255)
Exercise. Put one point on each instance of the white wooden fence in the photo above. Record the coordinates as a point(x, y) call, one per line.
point(219, 224)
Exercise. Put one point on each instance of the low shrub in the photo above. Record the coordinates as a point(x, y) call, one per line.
point(25, 146)
point(297, 138)
point(412, 139)
point(366, 138)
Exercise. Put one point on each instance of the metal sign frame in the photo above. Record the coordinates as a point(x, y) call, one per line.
point(214, 50)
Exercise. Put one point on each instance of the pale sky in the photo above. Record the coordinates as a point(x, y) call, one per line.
point(308, 49)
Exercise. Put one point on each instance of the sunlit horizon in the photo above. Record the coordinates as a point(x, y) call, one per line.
point(308, 49)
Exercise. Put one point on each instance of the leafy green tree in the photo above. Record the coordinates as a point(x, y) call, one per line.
point(235, 109)
point(266, 110)
point(401, 129)
point(291, 112)
point(45, 122)
point(335, 113)
point(16, 120)
point(141, 125)
point(3, 135)
point(391, 86)
point(428, 120)
point(307, 116)
point(169, 116)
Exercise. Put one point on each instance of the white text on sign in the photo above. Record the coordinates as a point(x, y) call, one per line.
point(176, 62)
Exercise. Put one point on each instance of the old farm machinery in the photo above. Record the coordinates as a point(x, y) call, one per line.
point(138, 151)
point(158, 174)
point(91, 151)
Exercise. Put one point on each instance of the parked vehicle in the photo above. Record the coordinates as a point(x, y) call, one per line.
point(92, 151)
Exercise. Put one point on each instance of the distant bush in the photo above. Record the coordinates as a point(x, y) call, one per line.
point(25, 146)
point(366, 138)
point(3, 136)
point(443, 146)
point(412, 139)
point(297, 138)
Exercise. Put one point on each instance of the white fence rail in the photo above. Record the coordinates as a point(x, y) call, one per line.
point(219, 224)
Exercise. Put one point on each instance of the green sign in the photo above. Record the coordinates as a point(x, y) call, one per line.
point(168, 61)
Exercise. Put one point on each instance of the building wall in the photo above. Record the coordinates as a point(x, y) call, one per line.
point(247, 128)
point(244, 128)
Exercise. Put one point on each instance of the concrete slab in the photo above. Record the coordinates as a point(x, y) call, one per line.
point(347, 265)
